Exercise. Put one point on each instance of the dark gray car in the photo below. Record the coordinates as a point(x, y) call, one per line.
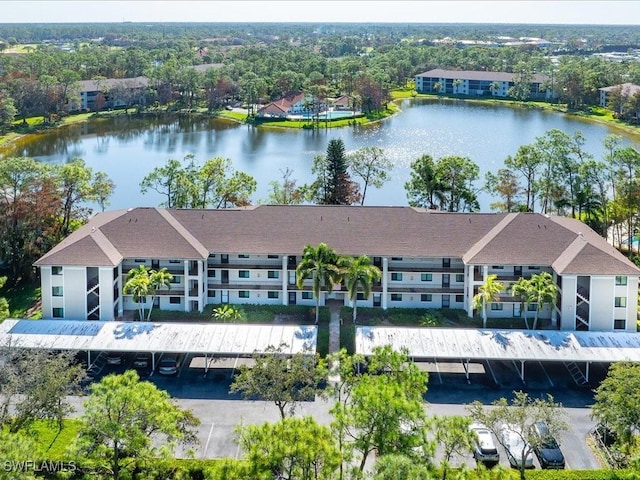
point(547, 449)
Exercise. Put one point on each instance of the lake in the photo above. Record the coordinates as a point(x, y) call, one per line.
point(127, 149)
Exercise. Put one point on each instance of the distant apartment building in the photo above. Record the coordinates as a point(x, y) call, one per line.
point(626, 90)
point(428, 259)
point(479, 84)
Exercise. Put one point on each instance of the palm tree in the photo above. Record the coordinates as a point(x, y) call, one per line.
point(542, 290)
point(488, 292)
point(158, 280)
point(359, 273)
point(321, 264)
point(143, 282)
point(539, 289)
point(521, 289)
point(137, 285)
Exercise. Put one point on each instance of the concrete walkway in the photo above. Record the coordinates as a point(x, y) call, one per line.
point(334, 337)
point(334, 325)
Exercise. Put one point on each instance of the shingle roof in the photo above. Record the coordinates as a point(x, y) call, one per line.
point(625, 88)
point(478, 75)
point(478, 238)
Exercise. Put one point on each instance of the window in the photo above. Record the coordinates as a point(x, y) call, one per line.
point(426, 297)
point(446, 263)
point(426, 277)
point(272, 256)
point(446, 301)
point(532, 307)
point(243, 256)
point(533, 268)
point(396, 276)
point(211, 273)
point(396, 297)
point(243, 294)
point(273, 294)
point(176, 279)
point(396, 259)
point(243, 273)
point(273, 274)
point(139, 260)
point(621, 302)
point(307, 295)
point(56, 270)
point(497, 307)
point(497, 267)
point(460, 277)
point(621, 280)
point(56, 291)
point(211, 293)
point(174, 300)
point(459, 298)
point(360, 296)
point(178, 261)
point(619, 324)
point(58, 313)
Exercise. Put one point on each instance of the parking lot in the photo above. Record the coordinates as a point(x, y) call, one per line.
point(207, 394)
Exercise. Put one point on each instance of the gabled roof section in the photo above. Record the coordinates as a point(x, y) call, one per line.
point(87, 246)
point(477, 248)
point(590, 253)
point(566, 244)
point(184, 233)
point(135, 233)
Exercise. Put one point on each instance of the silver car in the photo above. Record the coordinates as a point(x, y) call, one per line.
point(169, 365)
point(516, 447)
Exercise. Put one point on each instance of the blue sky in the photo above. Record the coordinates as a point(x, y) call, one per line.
point(403, 11)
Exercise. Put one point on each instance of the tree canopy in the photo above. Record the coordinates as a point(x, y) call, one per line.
point(127, 421)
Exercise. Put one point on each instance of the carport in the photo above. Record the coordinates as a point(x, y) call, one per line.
point(576, 350)
point(210, 340)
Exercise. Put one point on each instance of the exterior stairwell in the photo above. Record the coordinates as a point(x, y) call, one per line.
point(576, 373)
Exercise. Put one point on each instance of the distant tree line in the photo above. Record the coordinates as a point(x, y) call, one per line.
point(43, 81)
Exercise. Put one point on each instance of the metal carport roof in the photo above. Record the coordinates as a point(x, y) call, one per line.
point(195, 338)
point(494, 344)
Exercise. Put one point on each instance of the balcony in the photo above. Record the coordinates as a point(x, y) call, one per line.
point(247, 266)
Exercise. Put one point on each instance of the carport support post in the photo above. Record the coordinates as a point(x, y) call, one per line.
point(153, 361)
point(88, 359)
point(466, 370)
point(586, 371)
point(522, 371)
point(206, 363)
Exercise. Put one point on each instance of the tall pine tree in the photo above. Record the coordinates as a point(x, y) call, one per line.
point(340, 189)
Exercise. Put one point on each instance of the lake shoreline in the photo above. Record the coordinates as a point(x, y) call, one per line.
point(8, 140)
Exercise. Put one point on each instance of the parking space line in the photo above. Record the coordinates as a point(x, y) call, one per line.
point(206, 446)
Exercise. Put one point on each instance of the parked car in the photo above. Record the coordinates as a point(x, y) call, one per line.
point(114, 358)
point(516, 447)
point(546, 449)
point(485, 451)
point(141, 360)
point(169, 364)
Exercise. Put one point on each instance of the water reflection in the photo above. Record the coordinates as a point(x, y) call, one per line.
point(129, 147)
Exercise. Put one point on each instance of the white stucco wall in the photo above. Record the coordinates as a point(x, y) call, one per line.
point(603, 312)
point(568, 311)
point(75, 296)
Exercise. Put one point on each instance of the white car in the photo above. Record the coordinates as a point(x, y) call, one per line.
point(485, 451)
point(516, 447)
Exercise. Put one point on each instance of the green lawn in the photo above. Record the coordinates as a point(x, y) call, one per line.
point(24, 299)
point(52, 444)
